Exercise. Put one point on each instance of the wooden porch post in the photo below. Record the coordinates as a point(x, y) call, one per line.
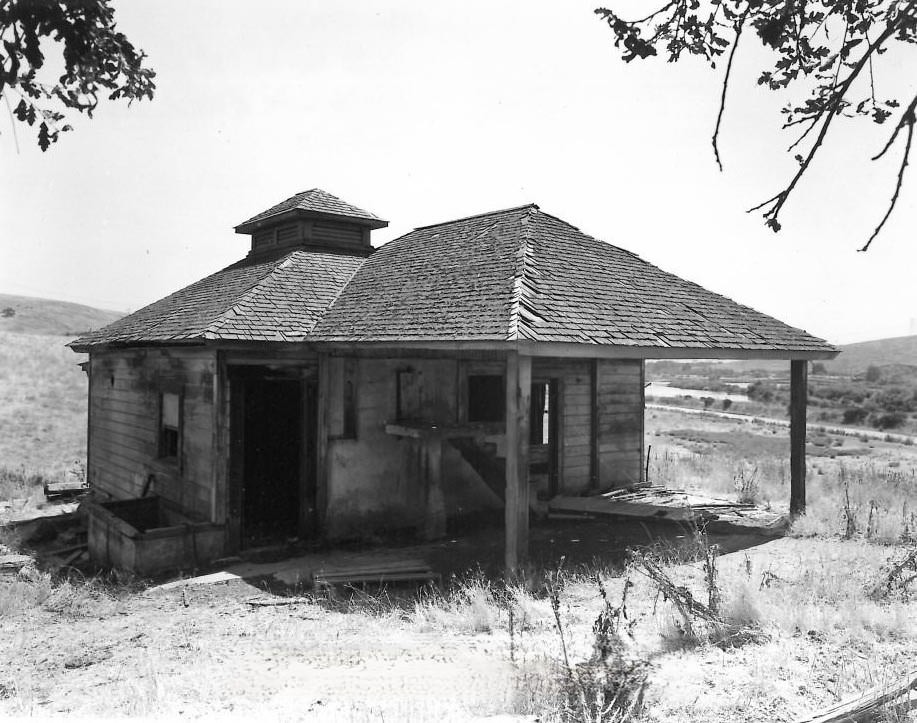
point(435, 511)
point(518, 400)
point(798, 396)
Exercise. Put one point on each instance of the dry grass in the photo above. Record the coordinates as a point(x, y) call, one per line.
point(870, 485)
point(479, 647)
point(42, 406)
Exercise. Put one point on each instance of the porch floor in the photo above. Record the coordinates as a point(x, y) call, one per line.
point(599, 541)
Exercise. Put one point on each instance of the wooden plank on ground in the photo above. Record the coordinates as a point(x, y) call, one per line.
point(375, 573)
point(599, 506)
point(867, 706)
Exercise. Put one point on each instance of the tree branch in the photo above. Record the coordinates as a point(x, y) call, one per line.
point(907, 119)
point(719, 115)
point(827, 113)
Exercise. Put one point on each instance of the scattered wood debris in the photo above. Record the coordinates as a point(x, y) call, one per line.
point(660, 503)
point(868, 705)
point(13, 563)
point(279, 602)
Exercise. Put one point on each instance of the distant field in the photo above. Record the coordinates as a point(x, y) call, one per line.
point(42, 404)
point(29, 315)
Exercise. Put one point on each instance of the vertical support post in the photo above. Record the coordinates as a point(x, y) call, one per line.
point(594, 424)
point(435, 513)
point(321, 442)
point(236, 477)
point(798, 399)
point(218, 475)
point(518, 402)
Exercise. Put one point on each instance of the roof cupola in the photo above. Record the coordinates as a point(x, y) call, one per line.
point(313, 219)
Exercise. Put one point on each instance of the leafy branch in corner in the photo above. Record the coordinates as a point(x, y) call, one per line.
point(98, 60)
point(824, 51)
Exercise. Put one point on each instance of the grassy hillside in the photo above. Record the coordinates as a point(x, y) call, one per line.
point(42, 404)
point(30, 315)
point(858, 357)
point(853, 359)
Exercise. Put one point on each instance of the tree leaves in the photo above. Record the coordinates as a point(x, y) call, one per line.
point(96, 58)
point(823, 47)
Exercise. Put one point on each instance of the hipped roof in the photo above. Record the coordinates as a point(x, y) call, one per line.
point(278, 297)
point(314, 203)
point(511, 276)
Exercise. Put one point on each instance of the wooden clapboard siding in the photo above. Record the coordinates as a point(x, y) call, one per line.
point(124, 424)
point(575, 422)
point(620, 421)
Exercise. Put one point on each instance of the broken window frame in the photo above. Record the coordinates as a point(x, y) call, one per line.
point(169, 431)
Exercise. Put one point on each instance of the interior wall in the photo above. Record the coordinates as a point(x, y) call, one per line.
point(574, 376)
point(124, 425)
point(375, 480)
point(620, 421)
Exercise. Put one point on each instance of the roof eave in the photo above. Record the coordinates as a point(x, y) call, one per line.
point(250, 226)
point(587, 351)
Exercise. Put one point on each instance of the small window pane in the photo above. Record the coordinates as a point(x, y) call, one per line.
point(170, 410)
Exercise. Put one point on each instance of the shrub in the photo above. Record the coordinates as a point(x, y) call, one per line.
point(895, 399)
point(855, 415)
point(889, 420)
point(762, 391)
point(873, 373)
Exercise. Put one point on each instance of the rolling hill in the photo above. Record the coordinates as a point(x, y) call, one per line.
point(880, 352)
point(30, 315)
point(856, 358)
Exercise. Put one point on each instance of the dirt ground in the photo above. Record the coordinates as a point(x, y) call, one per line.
point(228, 649)
point(262, 647)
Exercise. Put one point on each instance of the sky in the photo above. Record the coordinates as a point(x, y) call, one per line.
point(423, 112)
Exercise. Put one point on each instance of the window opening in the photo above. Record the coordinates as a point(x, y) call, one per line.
point(486, 398)
point(169, 425)
point(540, 421)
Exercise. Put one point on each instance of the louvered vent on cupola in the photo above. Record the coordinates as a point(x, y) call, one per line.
point(312, 219)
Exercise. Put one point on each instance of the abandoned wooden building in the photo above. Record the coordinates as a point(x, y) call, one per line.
point(321, 388)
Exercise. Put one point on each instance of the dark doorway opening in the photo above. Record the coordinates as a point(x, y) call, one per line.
point(272, 457)
point(544, 431)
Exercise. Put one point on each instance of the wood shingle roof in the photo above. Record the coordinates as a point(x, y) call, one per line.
point(274, 298)
point(314, 202)
point(522, 274)
point(517, 275)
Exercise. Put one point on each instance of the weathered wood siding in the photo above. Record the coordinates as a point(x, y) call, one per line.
point(620, 421)
point(375, 481)
point(124, 424)
point(575, 393)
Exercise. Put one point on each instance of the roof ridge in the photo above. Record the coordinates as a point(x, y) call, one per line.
point(165, 320)
point(279, 263)
point(517, 298)
point(478, 215)
point(341, 290)
point(590, 236)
